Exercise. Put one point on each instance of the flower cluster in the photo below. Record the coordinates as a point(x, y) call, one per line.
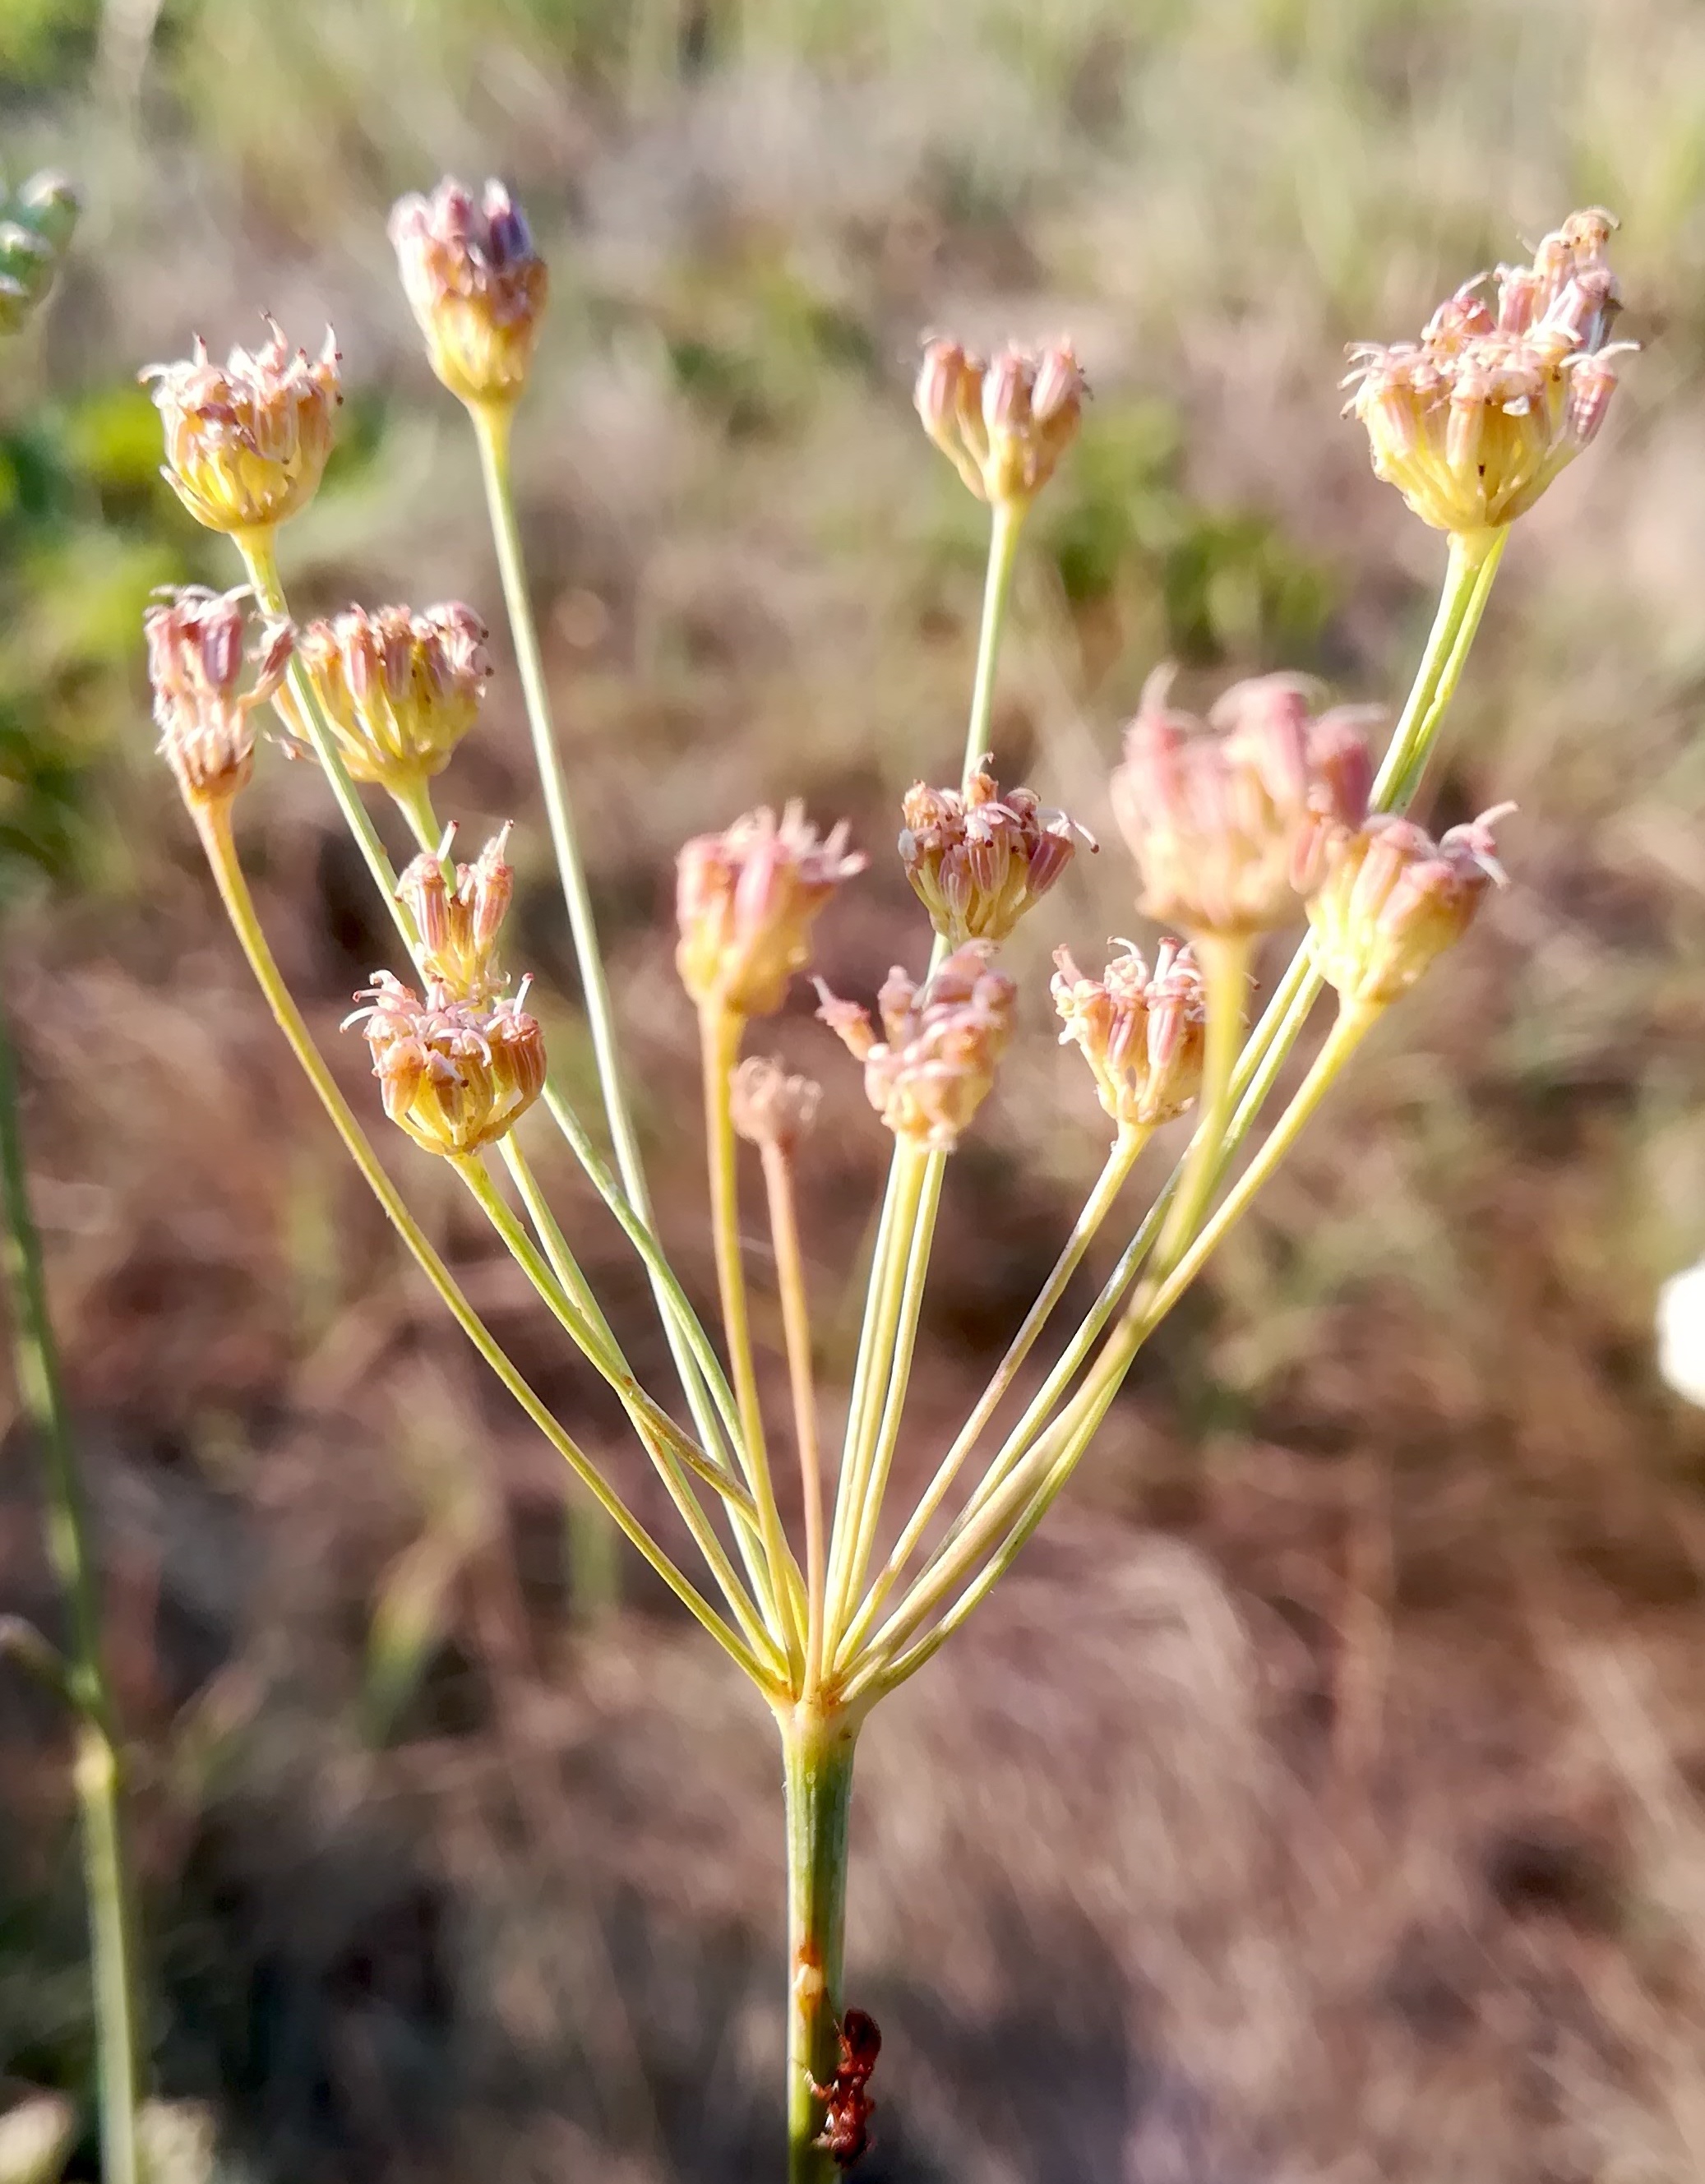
point(398, 690)
point(1232, 821)
point(1142, 1032)
point(978, 860)
point(246, 441)
point(1393, 899)
point(1003, 425)
point(476, 285)
point(931, 1068)
point(195, 640)
point(745, 901)
point(36, 222)
point(459, 923)
point(455, 1076)
point(1473, 422)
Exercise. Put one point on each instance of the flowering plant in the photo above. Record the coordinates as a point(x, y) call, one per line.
point(1263, 816)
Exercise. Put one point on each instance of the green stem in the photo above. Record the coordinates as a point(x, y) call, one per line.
point(796, 1327)
point(1470, 568)
point(720, 1035)
point(491, 425)
point(95, 1768)
point(213, 821)
point(1007, 520)
point(1127, 1145)
point(898, 1344)
point(817, 1774)
point(1029, 1492)
point(564, 1289)
point(871, 1377)
point(260, 559)
point(1225, 959)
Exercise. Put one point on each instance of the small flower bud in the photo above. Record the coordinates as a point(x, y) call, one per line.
point(1472, 423)
point(1394, 899)
point(459, 926)
point(246, 441)
point(1142, 1035)
point(195, 643)
point(769, 1106)
point(1003, 425)
point(454, 1075)
point(399, 690)
point(1231, 822)
point(745, 901)
point(476, 285)
point(933, 1066)
point(976, 862)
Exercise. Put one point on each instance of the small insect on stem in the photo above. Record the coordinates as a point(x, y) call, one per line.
point(846, 2127)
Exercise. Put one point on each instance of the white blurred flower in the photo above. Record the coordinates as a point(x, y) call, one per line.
point(1682, 1333)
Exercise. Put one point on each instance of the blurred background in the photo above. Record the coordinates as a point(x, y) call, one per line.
point(1319, 1799)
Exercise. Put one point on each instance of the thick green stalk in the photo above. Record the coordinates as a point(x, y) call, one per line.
point(817, 1774)
point(95, 1767)
point(213, 822)
point(1007, 520)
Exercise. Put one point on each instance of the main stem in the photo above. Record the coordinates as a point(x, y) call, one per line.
point(95, 1769)
point(816, 1773)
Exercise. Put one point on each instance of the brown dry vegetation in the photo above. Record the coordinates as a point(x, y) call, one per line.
point(1318, 1801)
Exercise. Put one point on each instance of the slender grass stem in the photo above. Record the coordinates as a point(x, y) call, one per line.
point(96, 1772)
point(796, 1326)
point(1126, 1148)
point(213, 822)
point(1031, 1489)
point(720, 1035)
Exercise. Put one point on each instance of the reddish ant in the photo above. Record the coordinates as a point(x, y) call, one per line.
point(846, 2127)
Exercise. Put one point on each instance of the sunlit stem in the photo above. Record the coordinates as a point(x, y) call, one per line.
point(213, 822)
point(872, 1377)
point(260, 559)
point(1031, 1489)
point(490, 424)
point(413, 798)
point(1470, 568)
point(95, 1767)
point(897, 1347)
point(720, 1033)
point(796, 1327)
point(715, 1415)
point(1127, 1145)
point(1007, 520)
point(671, 1450)
point(1224, 960)
point(817, 1764)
